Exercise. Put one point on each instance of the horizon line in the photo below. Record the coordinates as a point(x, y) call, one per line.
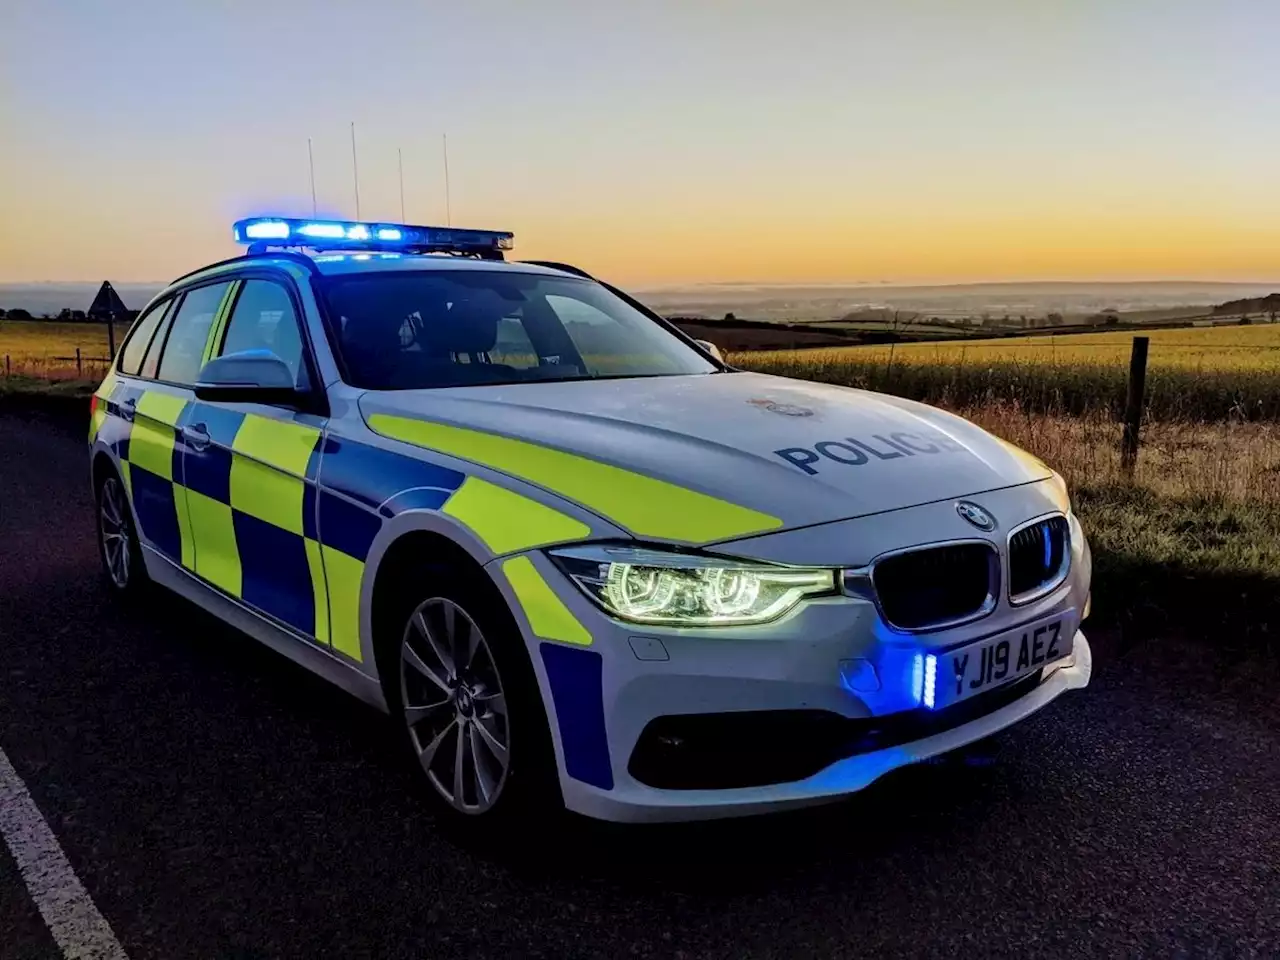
point(873, 284)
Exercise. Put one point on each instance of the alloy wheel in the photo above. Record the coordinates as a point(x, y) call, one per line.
point(454, 706)
point(114, 526)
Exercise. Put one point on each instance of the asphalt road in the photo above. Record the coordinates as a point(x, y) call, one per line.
point(216, 801)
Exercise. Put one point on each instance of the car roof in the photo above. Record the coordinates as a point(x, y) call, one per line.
point(340, 264)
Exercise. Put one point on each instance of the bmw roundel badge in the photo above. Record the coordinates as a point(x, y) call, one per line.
point(977, 516)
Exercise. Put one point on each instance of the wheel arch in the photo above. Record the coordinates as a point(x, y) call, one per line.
point(415, 540)
point(100, 463)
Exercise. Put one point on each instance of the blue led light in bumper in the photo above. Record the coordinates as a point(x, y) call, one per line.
point(930, 679)
point(924, 679)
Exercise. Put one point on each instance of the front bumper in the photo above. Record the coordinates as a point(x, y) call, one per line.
point(832, 671)
point(631, 801)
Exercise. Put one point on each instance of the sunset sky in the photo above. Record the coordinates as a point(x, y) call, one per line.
point(657, 142)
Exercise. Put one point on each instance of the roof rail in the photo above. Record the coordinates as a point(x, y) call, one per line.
point(265, 255)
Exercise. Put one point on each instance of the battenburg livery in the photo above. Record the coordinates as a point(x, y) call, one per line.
point(576, 556)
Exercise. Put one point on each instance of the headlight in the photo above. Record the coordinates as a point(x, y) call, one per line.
point(652, 586)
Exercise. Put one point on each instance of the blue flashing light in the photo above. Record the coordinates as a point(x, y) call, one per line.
point(266, 230)
point(360, 236)
point(1047, 537)
point(930, 680)
point(324, 231)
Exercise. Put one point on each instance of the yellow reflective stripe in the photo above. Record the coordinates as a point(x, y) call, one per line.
point(219, 322)
point(128, 479)
point(152, 435)
point(186, 534)
point(315, 563)
point(217, 556)
point(96, 421)
point(161, 407)
point(103, 393)
point(506, 521)
point(547, 614)
point(643, 505)
point(343, 575)
point(266, 493)
point(279, 443)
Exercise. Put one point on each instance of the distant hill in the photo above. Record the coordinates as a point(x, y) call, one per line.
point(1268, 304)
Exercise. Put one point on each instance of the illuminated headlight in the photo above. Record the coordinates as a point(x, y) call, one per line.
point(653, 586)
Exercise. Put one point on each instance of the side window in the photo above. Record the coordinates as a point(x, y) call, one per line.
point(264, 319)
point(135, 347)
point(151, 362)
point(184, 348)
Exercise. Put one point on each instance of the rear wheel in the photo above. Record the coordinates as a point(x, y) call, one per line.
point(461, 690)
point(118, 546)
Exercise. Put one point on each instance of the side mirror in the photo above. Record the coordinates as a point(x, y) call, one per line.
point(711, 348)
point(250, 376)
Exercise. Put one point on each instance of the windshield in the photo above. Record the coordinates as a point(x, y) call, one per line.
point(446, 328)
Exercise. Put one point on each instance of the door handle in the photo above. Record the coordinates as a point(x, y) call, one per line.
point(129, 409)
point(197, 436)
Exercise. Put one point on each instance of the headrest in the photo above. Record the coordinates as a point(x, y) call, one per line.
point(468, 326)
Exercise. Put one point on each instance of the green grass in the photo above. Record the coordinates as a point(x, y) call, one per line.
point(1207, 568)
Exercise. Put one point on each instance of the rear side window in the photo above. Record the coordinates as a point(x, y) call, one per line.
point(264, 319)
point(135, 347)
point(152, 359)
point(184, 347)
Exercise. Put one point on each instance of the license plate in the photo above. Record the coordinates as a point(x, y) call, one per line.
point(987, 664)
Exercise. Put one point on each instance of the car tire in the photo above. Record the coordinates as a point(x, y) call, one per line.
point(119, 550)
point(438, 701)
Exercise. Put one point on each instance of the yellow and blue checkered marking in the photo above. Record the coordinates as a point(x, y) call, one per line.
point(248, 513)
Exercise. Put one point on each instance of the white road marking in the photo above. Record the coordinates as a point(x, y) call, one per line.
point(77, 926)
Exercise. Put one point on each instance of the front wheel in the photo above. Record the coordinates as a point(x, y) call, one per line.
point(463, 692)
point(454, 706)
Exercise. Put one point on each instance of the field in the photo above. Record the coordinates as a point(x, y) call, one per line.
point(1202, 374)
point(29, 347)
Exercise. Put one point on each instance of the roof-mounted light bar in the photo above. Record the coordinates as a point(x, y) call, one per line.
point(261, 233)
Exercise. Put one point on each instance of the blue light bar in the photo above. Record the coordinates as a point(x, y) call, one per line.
point(352, 235)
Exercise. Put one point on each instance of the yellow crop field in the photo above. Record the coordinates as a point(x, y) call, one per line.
point(1252, 348)
point(1193, 373)
point(32, 347)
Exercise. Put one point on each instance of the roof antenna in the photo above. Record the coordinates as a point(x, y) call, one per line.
point(355, 169)
point(311, 165)
point(448, 211)
point(400, 161)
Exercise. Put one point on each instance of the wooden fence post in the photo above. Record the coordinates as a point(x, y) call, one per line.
point(1133, 403)
point(111, 339)
point(79, 365)
point(6, 365)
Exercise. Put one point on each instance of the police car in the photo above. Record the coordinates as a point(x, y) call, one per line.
point(577, 558)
